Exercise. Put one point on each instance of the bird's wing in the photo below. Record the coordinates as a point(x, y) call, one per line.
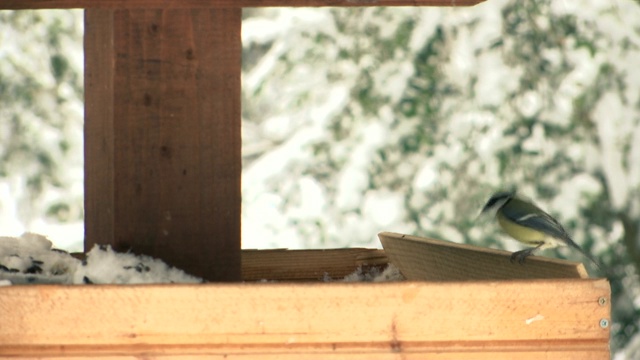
point(531, 216)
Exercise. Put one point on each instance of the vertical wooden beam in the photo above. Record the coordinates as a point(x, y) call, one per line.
point(98, 127)
point(162, 136)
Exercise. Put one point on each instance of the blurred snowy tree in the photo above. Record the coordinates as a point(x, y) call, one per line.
point(363, 120)
point(41, 87)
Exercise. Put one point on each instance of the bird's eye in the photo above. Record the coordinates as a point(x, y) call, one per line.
point(491, 202)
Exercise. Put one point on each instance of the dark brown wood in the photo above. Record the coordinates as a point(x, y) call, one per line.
point(308, 265)
point(304, 265)
point(192, 4)
point(163, 136)
point(99, 164)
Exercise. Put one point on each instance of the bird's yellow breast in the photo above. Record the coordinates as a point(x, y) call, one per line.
point(521, 233)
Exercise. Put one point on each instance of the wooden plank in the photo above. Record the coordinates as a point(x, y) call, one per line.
point(552, 318)
point(420, 258)
point(568, 354)
point(303, 265)
point(99, 190)
point(163, 138)
point(307, 265)
point(193, 4)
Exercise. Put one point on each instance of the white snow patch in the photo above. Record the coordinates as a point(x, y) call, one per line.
point(607, 115)
point(30, 259)
point(383, 207)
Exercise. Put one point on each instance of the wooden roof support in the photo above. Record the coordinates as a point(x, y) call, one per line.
point(193, 4)
point(162, 136)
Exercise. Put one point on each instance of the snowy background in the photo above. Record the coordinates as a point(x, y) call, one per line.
point(41, 115)
point(368, 119)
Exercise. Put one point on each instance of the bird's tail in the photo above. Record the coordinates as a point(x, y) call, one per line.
point(587, 255)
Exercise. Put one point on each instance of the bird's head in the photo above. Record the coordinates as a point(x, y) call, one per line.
point(497, 200)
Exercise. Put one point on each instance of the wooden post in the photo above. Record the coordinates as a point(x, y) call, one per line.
point(162, 136)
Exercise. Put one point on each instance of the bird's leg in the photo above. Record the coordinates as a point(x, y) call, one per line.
point(521, 255)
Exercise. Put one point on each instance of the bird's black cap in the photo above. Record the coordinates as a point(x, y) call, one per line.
point(499, 197)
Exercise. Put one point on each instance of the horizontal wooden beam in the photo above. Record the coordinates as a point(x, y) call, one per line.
point(308, 265)
point(303, 265)
point(192, 4)
point(462, 320)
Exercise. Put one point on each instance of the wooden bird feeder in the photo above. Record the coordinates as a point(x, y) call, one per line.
point(162, 178)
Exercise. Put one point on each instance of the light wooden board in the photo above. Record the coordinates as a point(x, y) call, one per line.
point(162, 135)
point(366, 354)
point(307, 265)
point(174, 4)
point(491, 320)
point(420, 258)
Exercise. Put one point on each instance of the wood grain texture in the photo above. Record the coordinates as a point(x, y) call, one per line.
point(307, 265)
point(303, 265)
point(568, 353)
point(193, 4)
point(497, 320)
point(99, 110)
point(420, 258)
point(163, 137)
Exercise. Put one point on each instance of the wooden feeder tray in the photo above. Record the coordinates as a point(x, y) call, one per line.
point(450, 316)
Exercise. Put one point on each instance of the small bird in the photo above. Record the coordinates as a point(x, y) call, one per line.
point(530, 225)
